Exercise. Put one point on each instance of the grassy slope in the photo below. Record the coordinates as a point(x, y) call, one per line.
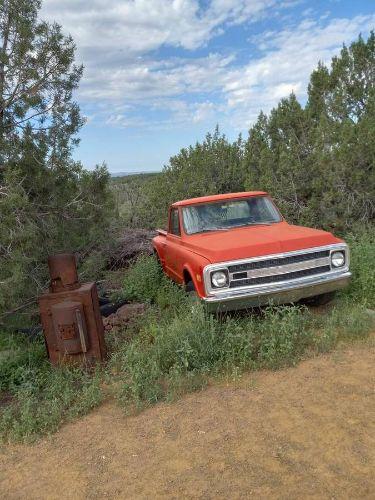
point(175, 347)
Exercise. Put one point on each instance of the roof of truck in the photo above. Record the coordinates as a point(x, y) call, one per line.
point(217, 197)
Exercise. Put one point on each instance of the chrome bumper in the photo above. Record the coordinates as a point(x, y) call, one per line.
point(280, 293)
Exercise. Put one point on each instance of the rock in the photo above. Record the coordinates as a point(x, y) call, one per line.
point(128, 311)
point(123, 315)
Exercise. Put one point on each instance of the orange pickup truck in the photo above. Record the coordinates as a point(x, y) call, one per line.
point(236, 251)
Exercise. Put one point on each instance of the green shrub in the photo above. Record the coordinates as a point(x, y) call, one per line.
point(145, 282)
point(362, 246)
point(37, 398)
point(16, 355)
point(143, 279)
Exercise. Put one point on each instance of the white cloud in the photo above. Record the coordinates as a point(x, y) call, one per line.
point(144, 80)
point(118, 43)
point(139, 26)
point(117, 40)
point(180, 113)
point(290, 56)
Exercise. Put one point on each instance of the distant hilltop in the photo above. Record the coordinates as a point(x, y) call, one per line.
point(136, 172)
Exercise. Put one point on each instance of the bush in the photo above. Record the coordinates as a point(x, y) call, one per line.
point(362, 246)
point(143, 279)
point(146, 282)
point(36, 398)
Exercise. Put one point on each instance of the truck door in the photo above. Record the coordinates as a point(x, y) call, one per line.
point(173, 246)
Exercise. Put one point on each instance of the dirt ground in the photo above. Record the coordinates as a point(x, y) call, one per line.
point(304, 432)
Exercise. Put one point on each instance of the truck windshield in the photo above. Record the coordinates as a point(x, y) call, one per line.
point(227, 214)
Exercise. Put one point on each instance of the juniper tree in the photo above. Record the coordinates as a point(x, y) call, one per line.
point(48, 202)
point(342, 100)
point(37, 79)
point(319, 161)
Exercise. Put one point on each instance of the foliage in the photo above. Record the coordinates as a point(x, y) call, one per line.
point(190, 345)
point(362, 260)
point(48, 202)
point(145, 282)
point(318, 161)
point(34, 397)
point(175, 347)
point(131, 194)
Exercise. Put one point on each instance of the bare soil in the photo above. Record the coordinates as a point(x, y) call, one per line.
point(303, 432)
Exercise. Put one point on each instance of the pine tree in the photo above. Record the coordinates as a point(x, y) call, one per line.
point(37, 78)
point(48, 202)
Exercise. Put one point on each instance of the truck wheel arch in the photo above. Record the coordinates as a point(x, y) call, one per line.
point(157, 257)
point(188, 281)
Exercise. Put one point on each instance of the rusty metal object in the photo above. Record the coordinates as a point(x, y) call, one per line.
point(70, 315)
point(63, 272)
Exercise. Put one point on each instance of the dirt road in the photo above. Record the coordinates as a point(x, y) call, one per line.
point(304, 432)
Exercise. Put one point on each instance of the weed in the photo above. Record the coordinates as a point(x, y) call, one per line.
point(145, 282)
point(177, 353)
point(40, 397)
point(362, 246)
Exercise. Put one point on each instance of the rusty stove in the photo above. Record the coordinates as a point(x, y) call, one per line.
point(70, 315)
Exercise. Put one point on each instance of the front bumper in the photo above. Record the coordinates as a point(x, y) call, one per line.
point(280, 293)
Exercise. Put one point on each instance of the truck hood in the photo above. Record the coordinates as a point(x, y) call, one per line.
point(256, 241)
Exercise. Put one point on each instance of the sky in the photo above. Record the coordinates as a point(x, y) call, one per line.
point(160, 74)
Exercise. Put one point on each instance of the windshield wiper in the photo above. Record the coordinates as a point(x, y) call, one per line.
point(259, 223)
point(252, 224)
point(240, 225)
point(208, 229)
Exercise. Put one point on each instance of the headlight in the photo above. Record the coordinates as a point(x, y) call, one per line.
point(219, 279)
point(337, 259)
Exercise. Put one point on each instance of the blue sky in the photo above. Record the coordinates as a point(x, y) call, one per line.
point(159, 74)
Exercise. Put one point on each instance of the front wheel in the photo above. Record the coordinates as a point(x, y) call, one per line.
point(189, 287)
point(192, 293)
point(319, 300)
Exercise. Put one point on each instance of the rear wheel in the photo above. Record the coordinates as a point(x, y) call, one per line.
point(319, 300)
point(160, 265)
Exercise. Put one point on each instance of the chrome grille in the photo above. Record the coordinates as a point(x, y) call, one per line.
point(280, 277)
point(281, 261)
point(275, 270)
point(260, 273)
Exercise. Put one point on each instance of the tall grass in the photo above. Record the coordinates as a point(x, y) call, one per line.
point(362, 245)
point(192, 346)
point(36, 398)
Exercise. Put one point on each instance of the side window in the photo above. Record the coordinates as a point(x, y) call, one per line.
point(174, 225)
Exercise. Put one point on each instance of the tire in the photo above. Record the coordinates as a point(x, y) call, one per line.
point(192, 293)
point(319, 300)
point(156, 255)
point(189, 287)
